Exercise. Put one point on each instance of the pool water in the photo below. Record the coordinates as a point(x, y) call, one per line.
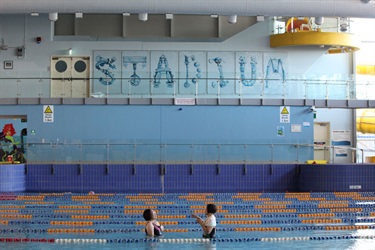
point(245, 221)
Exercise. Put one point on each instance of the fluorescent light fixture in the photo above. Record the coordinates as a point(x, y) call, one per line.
point(232, 19)
point(126, 14)
point(34, 14)
point(169, 16)
point(214, 16)
point(143, 17)
point(79, 15)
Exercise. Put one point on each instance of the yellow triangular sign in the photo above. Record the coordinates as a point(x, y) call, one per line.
point(285, 111)
point(48, 110)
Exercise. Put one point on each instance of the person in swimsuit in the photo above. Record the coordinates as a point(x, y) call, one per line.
point(209, 224)
point(153, 227)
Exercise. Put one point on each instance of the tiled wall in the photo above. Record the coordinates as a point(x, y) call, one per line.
point(12, 178)
point(160, 178)
point(199, 178)
point(337, 178)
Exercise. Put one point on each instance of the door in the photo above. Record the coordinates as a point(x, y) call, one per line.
point(70, 77)
point(322, 141)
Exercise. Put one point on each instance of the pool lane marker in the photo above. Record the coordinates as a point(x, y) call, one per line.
point(193, 240)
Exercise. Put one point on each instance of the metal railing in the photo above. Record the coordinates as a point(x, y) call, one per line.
point(145, 153)
point(18, 86)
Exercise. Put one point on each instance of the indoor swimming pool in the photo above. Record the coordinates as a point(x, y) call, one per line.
point(245, 221)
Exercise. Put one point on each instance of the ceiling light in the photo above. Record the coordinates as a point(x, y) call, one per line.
point(143, 17)
point(344, 24)
point(319, 20)
point(53, 16)
point(169, 16)
point(214, 16)
point(126, 14)
point(79, 15)
point(34, 14)
point(232, 19)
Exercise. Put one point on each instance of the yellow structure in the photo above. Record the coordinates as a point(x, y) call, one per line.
point(366, 70)
point(316, 162)
point(299, 33)
point(366, 122)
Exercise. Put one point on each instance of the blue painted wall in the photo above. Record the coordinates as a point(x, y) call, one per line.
point(214, 125)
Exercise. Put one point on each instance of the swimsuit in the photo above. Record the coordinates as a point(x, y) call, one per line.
point(157, 230)
point(210, 235)
point(210, 222)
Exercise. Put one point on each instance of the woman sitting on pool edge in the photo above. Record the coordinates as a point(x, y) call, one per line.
point(153, 227)
point(209, 224)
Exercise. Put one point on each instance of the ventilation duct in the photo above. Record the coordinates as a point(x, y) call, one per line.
point(308, 8)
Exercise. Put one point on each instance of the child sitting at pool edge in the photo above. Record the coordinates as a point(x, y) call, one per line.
point(209, 224)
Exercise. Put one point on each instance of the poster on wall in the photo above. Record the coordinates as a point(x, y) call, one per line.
point(280, 130)
point(249, 73)
point(275, 68)
point(220, 73)
point(135, 72)
point(341, 138)
point(107, 73)
point(341, 152)
point(164, 66)
point(192, 72)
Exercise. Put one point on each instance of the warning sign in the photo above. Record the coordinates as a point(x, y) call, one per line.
point(285, 114)
point(48, 113)
point(48, 110)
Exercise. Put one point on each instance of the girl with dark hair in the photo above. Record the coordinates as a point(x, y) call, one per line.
point(153, 227)
point(209, 224)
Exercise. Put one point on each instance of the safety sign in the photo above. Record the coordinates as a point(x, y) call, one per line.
point(285, 114)
point(48, 113)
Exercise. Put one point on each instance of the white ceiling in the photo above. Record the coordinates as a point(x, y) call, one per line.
point(307, 8)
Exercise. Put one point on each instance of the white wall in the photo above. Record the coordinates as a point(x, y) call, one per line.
point(22, 30)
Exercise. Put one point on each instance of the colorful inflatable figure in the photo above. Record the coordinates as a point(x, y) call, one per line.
point(8, 143)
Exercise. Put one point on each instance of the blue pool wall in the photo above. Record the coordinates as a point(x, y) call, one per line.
point(159, 178)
